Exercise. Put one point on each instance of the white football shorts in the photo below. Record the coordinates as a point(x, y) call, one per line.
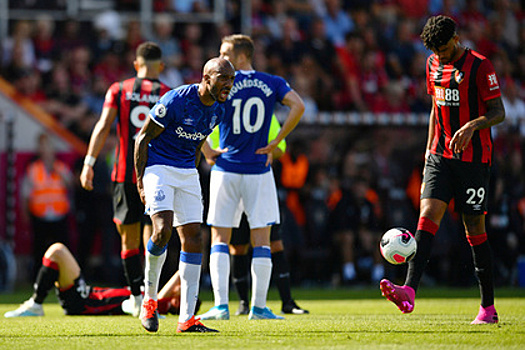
point(232, 193)
point(175, 189)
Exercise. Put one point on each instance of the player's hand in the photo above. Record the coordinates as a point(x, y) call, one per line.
point(86, 177)
point(214, 154)
point(268, 149)
point(462, 138)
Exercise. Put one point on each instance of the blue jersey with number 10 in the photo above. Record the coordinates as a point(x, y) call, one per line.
point(246, 125)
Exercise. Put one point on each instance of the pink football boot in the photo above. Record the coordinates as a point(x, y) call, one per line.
point(402, 296)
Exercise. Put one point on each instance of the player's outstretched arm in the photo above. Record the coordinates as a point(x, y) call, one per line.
point(96, 142)
point(149, 131)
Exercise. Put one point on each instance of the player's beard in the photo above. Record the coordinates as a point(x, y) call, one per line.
point(215, 93)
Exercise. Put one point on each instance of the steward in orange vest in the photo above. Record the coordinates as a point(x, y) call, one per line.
point(294, 172)
point(46, 201)
point(48, 197)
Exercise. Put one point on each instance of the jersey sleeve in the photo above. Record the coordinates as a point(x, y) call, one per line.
point(282, 88)
point(275, 127)
point(110, 101)
point(164, 110)
point(487, 81)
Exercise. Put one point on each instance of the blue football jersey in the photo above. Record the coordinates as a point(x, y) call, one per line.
point(246, 125)
point(186, 122)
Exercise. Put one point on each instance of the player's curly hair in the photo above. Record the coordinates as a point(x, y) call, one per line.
point(241, 43)
point(438, 31)
point(149, 50)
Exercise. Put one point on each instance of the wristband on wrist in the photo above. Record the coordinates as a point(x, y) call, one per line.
point(427, 154)
point(90, 160)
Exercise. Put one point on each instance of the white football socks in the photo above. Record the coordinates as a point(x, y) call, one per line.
point(190, 273)
point(152, 274)
point(261, 274)
point(220, 273)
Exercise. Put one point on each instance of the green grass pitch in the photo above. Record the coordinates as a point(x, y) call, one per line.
point(339, 319)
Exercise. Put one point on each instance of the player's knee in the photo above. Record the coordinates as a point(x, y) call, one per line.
point(474, 224)
point(56, 251)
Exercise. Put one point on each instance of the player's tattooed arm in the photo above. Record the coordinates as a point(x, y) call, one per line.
point(495, 114)
point(149, 131)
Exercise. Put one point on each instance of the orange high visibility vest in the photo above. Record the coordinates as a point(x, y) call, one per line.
point(293, 177)
point(293, 174)
point(49, 193)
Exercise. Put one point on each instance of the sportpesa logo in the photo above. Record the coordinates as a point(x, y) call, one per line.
point(195, 136)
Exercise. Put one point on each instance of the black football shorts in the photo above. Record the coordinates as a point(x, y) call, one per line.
point(466, 182)
point(127, 207)
point(81, 299)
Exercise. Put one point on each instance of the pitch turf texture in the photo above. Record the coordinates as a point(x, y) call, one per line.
point(339, 319)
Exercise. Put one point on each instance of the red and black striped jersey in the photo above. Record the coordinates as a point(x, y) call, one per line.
point(133, 98)
point(460, 90)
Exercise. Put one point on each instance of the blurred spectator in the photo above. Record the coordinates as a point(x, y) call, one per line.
point(293, 176)
point(514, 109)
point(79, 69)
point(133, 37)
point(163, 36)
point(274, 21)
point(319, 47)
point(290, 48)
point(94, 99)
point(372, 77)
point(354, 227)
point(69, 37)
point(171, 51)
point(28, 82)
point(337, 22)
point(111, 23)
point(304, 85)
point(44, 43)
point(109, 67)
point(18, 49)
point(62, 102)
point(349, 58)
point(46, 203)
point(404, 48)
point(191, 72)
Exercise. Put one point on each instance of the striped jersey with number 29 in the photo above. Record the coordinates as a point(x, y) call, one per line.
point(461, 90)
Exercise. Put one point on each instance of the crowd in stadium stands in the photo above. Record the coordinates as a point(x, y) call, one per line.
point(363, 56)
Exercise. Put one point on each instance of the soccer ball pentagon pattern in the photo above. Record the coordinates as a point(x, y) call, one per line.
point(398, 245)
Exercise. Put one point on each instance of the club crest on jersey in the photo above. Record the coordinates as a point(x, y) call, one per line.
point(159, 195)
point(459, 76)
point(213, 121)
point(188, 121)
point(160, 110)
point(493, 81)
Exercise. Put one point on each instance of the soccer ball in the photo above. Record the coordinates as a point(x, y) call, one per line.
point(398, 245)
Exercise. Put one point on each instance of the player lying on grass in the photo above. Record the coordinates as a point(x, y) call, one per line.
point(61, 270)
